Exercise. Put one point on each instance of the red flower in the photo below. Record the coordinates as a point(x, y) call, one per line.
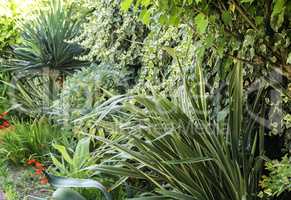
point(38, 171)
point(30, 162)
point(4, 113)
point(5, 123)
point(39, 168)
point(38, 165)
point(43, 181)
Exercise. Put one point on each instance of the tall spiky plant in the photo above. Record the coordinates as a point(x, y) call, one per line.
point(45, 40)
point(174, 145)
point(46, 47)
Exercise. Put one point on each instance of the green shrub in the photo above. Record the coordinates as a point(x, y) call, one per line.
point(72, 163)
point(9, 32)
point(27, 139)
point(279, 179)
point(84, 91)
point(114, 36)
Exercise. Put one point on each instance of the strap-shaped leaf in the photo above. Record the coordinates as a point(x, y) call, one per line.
point(64, 182)
point(66, 193)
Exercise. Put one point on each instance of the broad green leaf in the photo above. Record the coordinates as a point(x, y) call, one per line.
point(278, 14)
point(226, 17)
point(57, 163)
point(289, 59)
point(146, 3)
point(145, 16)
point(278, 7)
point(232, 7)
point(66, 193)
point(163, 19)
point(259, 20)
point(63, 182)
point(125, 4)
point(208, 40)
point(201, 22)
point(82, 153)
point(171, 51)
point(63, 151)
point(174, 20)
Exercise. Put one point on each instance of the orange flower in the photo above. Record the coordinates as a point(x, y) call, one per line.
point(4, 113)
point(38, 171)
point(30, 162)
point(43, 181)
point(38, 165)
point(5, 123)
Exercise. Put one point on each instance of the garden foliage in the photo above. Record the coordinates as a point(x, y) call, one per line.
point(9, 32)
point(84, 91)
point(45, 41)
point(278, 180)
point(181, 99)
point(26, 139)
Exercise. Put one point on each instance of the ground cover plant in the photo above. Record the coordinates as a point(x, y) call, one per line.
point(27, 139)
point(145, 99)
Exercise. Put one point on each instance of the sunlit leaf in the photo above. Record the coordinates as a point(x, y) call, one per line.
point(125, 4)
point(201, 22)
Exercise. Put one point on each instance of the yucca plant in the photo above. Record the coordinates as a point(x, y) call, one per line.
point(174, 145)
point(46, 39)
point(47, 46)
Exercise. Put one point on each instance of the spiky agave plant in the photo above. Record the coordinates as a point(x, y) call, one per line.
point(175, 146)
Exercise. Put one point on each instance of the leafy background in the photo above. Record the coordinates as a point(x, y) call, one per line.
point(142, 63)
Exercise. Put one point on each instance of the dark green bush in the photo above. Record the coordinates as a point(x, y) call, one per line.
point(85, 91)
